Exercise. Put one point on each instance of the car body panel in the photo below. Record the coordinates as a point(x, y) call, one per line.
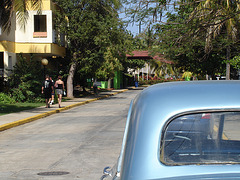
point(151, 112)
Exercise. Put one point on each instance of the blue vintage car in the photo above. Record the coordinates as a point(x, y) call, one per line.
point(182, 130)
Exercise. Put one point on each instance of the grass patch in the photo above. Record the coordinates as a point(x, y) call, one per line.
point(7, 108)
point(17, 107)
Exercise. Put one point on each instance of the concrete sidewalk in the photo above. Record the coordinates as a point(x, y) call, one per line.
point(15, 119)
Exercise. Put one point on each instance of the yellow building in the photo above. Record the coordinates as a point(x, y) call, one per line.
point(38, 37)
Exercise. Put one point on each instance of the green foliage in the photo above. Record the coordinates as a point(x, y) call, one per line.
point(135, 63)
point(235, 62)
point(25, 81)
point(194, 34)
point(140, 42)
point(6, 99)
point(95, 35)
point(8, 7)
point(187, 75)
point(109, 66)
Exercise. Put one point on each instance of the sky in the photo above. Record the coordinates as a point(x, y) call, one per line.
point(134, 28)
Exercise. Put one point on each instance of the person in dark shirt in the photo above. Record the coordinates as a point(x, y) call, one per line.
point(53, 93)
point(47, 90)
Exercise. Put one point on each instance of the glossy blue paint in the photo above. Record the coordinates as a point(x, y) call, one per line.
point(152, 109)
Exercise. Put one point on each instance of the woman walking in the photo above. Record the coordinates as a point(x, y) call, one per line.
point(59, 85)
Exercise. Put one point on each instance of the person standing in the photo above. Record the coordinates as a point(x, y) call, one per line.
point(95, 88)
point(59, 86)
point(53, 93)
point(47, 89)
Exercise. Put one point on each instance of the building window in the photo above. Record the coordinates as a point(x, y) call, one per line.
point(40, 26)
point(40, 23)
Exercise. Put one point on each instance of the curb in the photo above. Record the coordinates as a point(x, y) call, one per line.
point(39, 116)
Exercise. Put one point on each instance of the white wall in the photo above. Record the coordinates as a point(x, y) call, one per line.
point(4, 36)
point(146, 69)
point(10, 60)
point(27, 35)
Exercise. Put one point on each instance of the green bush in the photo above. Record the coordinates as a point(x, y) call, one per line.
point(25, 82)
point(26, 92)
point(5, 98)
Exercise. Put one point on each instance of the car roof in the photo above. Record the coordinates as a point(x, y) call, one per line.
point(158, 104)
point(221, 176)
point(166, 100)
point(177, 97)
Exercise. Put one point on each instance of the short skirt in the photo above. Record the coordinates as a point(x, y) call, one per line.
point(59, 91)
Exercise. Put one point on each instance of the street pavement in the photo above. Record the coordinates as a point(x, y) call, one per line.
point(72, 145)
point(15, 119)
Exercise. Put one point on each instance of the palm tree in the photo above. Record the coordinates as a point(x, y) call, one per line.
point(8, 7)
point(222, 14)
point(161, 68)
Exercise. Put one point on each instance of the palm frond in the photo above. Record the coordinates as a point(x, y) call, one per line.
point(20, 7)
point(6, 9)
point(228, 7)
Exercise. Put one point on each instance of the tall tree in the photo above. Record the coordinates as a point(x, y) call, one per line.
point(205, 25)
point(184, 43)
point(219, 16)
point(94, 33)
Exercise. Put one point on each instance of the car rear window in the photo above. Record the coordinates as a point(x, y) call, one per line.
point(203, 138)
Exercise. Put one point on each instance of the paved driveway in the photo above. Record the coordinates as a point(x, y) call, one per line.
point(74, 144)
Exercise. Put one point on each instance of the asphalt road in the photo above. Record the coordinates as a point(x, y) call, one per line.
point(74, 144)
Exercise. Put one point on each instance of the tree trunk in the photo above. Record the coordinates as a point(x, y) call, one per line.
point(228, 71)
point(228, 64)
point(109, 83)
point(70, 79)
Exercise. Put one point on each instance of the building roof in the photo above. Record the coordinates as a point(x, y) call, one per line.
point(145, 55)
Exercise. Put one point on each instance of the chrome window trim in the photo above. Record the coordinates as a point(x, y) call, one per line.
point(160, 154)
